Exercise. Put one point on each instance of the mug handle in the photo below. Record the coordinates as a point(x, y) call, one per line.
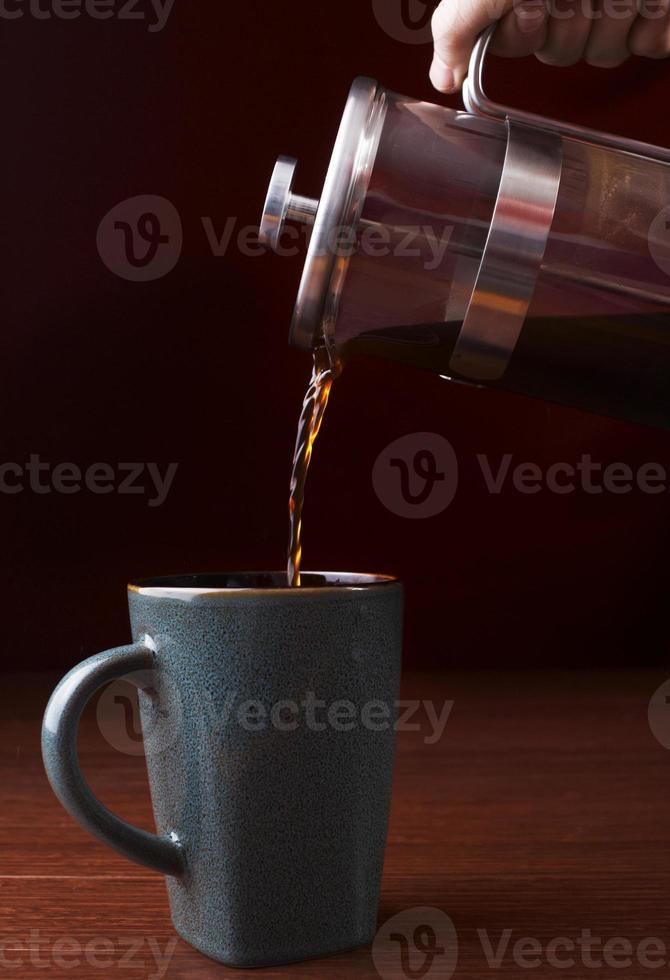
point(59, 751)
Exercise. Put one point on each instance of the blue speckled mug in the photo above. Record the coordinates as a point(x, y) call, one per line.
point(271, 781)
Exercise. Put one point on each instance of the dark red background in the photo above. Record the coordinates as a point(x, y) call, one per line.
point(195, 368)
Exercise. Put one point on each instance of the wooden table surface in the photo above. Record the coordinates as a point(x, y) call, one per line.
point(542, 812)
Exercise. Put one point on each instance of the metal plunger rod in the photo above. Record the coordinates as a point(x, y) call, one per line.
point(282, 204)
point(302, 209)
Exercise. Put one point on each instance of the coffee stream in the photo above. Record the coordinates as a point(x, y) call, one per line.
point(313, 409)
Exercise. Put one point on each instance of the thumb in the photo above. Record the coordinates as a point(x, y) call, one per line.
point(456, 25)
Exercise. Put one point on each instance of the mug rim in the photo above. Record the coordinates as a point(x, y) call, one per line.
point(337, 583)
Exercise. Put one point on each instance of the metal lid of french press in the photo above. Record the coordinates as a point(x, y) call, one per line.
point(334, 215)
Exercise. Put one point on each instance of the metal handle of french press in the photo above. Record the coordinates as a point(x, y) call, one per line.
point(477, 102)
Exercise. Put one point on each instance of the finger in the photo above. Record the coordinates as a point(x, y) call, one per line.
point(522, 31)
point(568, 32)
point(456, 25)
point(650, 34)
point(607, 46)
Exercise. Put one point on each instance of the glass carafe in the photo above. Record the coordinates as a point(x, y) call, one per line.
point(491, 246)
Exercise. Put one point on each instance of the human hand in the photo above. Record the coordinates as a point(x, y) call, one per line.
point(559, 32)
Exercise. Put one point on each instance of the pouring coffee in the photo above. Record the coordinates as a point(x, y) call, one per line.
point(491, 246)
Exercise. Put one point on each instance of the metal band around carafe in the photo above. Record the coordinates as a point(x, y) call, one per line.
point(513, 253)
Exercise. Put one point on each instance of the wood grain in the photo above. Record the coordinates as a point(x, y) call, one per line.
point(544, 810)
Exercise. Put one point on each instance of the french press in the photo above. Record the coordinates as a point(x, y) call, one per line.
point(492, 246)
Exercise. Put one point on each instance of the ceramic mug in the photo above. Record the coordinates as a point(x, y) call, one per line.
point(269, 727)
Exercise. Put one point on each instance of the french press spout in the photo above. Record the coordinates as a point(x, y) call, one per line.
point(493, 246)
